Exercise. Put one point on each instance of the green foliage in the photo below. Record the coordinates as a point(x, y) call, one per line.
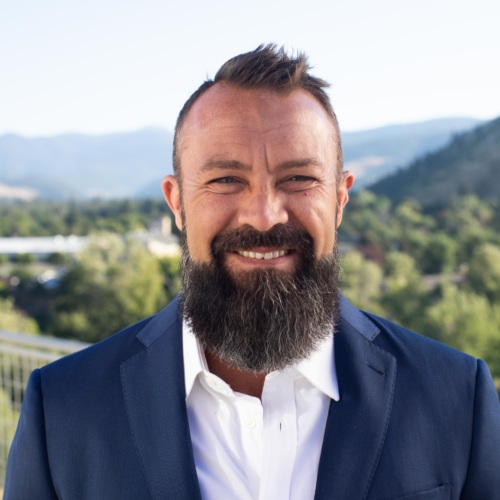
point(403, 293)
point(113, 283)
point(75, 325)
point(24, 258)
point(468, 165)
point(48, 218)
point(58, 259)
point(409, 215)
point(440, 241)
point(170, 271)
point(368, 220)
point(22, 275)
point(361, 281)
point(14, 320)
point(439, 254)
point(466, 321)
point(484, 272)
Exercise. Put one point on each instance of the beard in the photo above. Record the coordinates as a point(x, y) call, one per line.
point(266, 319)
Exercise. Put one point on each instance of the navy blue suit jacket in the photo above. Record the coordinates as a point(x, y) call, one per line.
point(415, 420)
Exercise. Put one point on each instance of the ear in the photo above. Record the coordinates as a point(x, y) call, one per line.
point(345, 184)
point(172, 195)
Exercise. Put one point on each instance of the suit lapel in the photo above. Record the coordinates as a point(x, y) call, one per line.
point(357, 424)
point(153, 388)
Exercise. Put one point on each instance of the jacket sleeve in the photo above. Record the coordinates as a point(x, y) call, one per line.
point(28, 472)
point(483, 476)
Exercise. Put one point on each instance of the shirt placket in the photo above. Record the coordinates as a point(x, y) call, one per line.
point(251, 428)
point(279, 436)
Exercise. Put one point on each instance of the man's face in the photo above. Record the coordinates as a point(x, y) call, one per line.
point(257, 158)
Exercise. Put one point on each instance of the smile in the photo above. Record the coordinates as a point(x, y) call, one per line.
point(259, 255)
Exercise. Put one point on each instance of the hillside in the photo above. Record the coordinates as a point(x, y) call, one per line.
point(77, 165)
point(131, 165)
point(469, 164)
point(372, 154)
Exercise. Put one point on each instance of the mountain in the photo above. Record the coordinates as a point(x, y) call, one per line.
point(128, 165)
point(469, 164)
point(76, 165)
point(372, 154)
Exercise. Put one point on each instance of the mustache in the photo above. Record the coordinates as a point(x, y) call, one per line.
point(284, 236)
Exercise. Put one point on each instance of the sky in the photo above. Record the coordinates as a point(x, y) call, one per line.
point(104, 66)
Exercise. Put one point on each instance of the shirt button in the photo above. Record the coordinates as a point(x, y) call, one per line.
point(212, 382)
point(250, 423)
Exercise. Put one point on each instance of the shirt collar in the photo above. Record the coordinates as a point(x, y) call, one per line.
point(194, 357)
point(319, 369)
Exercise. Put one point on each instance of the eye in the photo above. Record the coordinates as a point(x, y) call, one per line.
point(298, 182)
point(224, 180)
point(225, 185)
point(300, 178)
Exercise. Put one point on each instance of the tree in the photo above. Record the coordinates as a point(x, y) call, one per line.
point(113, 283)
point(466, 321)
point(469, 221)
point(403, 295)
point(414, 243)
point(483, 275)
point(170, 270)
point(361, 281)
point(13, 320)
point(58, 259)
point(409, 215)
point(24, 258)
point(440, 254)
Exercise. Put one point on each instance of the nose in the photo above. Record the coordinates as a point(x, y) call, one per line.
point(262, 209)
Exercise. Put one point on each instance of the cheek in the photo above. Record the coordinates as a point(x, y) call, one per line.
point(203, 222)
point(318, 218)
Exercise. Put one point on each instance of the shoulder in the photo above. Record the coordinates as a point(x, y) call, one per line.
point(102, 360)
point(423, 364)
point(406, 344)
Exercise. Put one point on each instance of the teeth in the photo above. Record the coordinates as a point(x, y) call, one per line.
point(259, 255)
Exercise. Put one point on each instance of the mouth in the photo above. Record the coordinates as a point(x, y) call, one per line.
point(263, 257)
point(275, 254)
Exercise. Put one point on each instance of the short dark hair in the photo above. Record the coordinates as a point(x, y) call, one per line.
point(266, 67)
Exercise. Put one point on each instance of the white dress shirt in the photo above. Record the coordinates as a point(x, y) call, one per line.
point(249, 449)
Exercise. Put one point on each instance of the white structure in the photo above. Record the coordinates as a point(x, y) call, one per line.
point(162, 245)
point(42, 247)
point(159, 239)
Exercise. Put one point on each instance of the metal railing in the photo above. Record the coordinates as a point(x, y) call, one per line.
point(20, 354)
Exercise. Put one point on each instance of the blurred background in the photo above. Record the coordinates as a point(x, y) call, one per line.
point(90, 92)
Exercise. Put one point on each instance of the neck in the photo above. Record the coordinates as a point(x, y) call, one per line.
point(239, 381)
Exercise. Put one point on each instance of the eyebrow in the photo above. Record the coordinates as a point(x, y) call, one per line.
point(302, 162)
point(216, 163)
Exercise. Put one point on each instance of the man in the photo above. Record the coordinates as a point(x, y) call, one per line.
point(260, 381)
